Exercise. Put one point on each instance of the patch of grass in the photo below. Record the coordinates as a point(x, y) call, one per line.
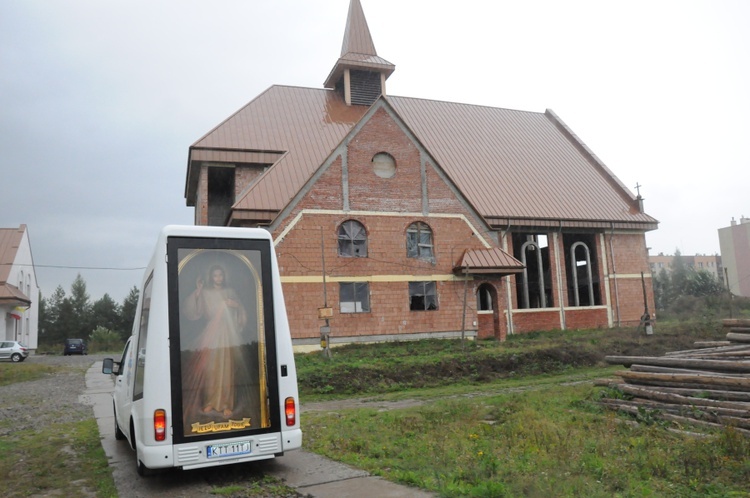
point(265, 486)
point(67, 459)
point(10, 373)
point(397, 366)
point(553, 441)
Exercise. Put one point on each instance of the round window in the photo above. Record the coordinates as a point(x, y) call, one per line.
point(384, 165)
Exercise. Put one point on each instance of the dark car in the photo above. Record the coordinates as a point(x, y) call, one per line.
point(13, 350)
point(74, 346)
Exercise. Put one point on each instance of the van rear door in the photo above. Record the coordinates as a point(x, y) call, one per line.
point(222, 342)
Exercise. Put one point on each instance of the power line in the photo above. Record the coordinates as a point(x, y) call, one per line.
point(66, 267)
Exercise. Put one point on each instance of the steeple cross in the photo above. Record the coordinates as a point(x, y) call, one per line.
point(638, 188)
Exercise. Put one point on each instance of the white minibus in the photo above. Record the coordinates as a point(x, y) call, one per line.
point(207, 377)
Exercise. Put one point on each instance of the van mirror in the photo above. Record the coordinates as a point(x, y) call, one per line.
point(108, 366)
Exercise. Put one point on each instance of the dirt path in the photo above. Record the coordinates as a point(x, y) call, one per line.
point(383, 405)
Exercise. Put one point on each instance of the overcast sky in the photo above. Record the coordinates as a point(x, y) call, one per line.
point(100, 100)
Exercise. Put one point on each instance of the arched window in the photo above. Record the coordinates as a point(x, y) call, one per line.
point(484, 298)
point(352, 240)
point(534, 286)
point(580, 264)
point(419, 242)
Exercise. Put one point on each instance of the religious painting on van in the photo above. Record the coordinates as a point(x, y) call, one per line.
point(222, 341)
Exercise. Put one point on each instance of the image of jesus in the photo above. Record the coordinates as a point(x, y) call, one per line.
point(215, 363)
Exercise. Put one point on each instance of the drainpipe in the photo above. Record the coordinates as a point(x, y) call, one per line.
point(508, 285)
point(558, 270)
point(614, 273)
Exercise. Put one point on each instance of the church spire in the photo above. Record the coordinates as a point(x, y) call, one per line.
point(359, 73)
point(357, 38)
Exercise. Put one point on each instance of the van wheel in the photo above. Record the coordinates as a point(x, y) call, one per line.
point(15, 357)
point(119, 435)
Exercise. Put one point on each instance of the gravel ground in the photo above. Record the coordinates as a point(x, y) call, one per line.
point(53, 398)
point(56, 398)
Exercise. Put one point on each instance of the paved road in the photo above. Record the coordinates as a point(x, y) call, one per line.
point(310, 474)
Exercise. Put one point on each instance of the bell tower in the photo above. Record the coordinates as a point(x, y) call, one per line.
point(359, 74)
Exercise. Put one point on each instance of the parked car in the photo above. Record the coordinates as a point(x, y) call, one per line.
point(13, 351)
point(74, 346)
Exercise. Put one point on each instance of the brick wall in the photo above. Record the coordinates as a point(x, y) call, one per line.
point(387, 268)
point(625, 284)
point(586, 318)
point(530, 321)
point(382, 205)
point(384, 202)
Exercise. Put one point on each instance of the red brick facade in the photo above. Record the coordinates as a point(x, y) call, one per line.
point(346, 188)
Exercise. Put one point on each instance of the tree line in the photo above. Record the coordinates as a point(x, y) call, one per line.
point(672, 288)
point(104, 322)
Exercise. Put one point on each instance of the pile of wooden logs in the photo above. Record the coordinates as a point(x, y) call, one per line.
point(707, 386)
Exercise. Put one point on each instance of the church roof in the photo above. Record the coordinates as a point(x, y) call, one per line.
point(357, 38)
point(357, 50)
point(515, 167)
point(489, 261)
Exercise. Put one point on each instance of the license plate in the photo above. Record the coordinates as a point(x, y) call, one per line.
point(228, 449)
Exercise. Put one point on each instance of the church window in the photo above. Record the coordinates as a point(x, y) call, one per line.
point(534, 285)
point(419, 242)
point(423, 296)
point(582, 270)
point(354, 297)
point(383, 165)
point(352, 240)
point(484, 297)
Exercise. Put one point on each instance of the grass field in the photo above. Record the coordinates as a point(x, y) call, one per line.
point(515, 419)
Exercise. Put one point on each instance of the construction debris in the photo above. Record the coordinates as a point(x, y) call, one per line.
point(707, 386)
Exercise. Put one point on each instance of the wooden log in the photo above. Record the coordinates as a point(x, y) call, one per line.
point(714, 365)
point(654, 369)
point(685, 380)
point(737, 337)
point(704, 413)
point(705, 393)
point(739, 355)
point(719, 349)
point(663, 384)
point(741, 409)
point(680, 419)
point(675, 418)
point(710, 344)
point(735, 322)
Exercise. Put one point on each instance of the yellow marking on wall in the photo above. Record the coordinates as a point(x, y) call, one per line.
point(302, 279)
point(297, 218)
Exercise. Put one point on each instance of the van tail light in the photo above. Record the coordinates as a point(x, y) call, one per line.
point(290, 409)
point(160, 425)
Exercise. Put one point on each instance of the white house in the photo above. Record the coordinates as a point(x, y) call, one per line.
point(19, 291)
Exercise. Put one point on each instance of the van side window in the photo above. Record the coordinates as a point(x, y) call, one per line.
point(140, 353)
point(121, 364)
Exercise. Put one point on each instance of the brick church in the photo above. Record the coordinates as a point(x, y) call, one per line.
point(414, 218)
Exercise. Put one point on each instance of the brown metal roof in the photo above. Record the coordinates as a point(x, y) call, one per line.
point(301, 126)
point(489, 261)
point(515, 167)
point(357, 38)
point(357, 50)
point(9, 294)
point(10, 241)
point(517, 164)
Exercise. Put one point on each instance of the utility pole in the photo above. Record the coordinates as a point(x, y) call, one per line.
point(325, 330)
